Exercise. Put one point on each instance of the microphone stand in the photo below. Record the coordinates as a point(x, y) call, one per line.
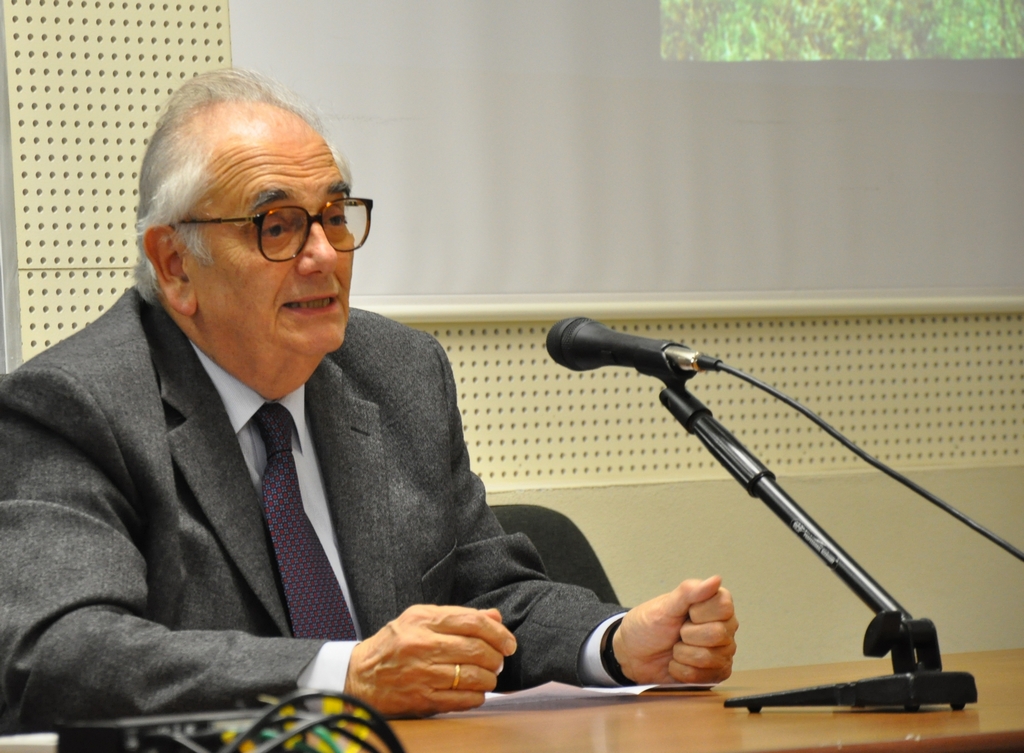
point(917, 677)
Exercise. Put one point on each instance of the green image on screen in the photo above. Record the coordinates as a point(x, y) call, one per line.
point(745, 30)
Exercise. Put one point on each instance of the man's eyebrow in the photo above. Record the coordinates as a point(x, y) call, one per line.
point(268, 197)
point(277, 194)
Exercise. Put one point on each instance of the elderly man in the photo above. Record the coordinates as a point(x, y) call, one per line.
point(231, 484)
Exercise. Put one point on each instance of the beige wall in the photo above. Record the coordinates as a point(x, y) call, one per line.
point(792, 609)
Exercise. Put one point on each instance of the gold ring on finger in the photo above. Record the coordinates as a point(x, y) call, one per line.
point(458, 676)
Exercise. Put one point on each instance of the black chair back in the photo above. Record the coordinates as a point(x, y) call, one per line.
point(565, 551)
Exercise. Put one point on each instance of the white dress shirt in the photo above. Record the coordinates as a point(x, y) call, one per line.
point(329, 668)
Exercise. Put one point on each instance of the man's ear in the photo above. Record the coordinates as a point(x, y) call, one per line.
point(167, 254)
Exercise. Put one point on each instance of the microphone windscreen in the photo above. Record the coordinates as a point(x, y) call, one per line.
point(560, 337)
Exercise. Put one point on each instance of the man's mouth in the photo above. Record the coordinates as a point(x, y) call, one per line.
point(317, 303)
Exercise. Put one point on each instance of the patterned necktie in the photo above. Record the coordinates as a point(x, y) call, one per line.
point(316, 604)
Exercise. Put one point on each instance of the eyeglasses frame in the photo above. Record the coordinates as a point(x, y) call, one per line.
point(257, 220)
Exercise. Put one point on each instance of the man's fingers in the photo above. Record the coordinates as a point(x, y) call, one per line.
point(705, 589)
point(471, 678)
point(473, 623)
point(701, 665)
point(709, 634)
point(717, 608)
point(698, 675)
point(409, 644)
point(432, 702)
point(493, 614)
point(702, 657)
point(691, 592)
point(453, 700)
point(456, 649)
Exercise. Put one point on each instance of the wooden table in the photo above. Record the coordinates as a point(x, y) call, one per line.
point(698, 721)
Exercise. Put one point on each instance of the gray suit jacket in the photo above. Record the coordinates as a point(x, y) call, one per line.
point(136, 572)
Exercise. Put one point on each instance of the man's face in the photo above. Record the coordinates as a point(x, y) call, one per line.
point(265, 321)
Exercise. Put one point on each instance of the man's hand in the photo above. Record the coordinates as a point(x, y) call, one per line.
point(686, 635)
point(409, 666)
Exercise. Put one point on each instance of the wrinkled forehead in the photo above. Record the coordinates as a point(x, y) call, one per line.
point(253, 149)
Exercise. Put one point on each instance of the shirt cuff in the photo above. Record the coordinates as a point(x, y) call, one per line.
point(329, 668)
point(589, 666)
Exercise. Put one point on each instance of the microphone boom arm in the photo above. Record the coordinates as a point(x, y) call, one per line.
point(760, 482)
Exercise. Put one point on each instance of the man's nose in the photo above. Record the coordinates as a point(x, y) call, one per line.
point(317, 255)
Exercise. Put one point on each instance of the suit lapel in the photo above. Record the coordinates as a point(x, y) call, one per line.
point(206, 451)
point(348, 438)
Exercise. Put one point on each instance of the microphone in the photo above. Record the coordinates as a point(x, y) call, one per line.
point(582, 344)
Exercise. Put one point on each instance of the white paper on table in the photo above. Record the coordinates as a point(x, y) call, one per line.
point(558, 691)
point(36, 742)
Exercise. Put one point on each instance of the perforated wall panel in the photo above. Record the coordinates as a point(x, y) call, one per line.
point(86, 82)
point(927, 391)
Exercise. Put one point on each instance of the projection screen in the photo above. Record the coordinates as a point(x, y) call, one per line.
point(560, 147)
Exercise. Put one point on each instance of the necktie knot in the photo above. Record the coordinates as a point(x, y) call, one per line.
point(275, 425)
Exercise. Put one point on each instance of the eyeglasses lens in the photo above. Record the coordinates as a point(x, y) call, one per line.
point(344, 224)
point(284, 231)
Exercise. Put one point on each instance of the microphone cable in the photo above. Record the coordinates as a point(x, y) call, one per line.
point(710, 363)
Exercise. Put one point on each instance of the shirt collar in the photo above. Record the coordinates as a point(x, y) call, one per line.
point(241, 401)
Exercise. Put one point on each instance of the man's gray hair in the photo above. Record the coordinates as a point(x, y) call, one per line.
point(175, 169)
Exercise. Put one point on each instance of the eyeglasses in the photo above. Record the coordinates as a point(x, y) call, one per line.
point(282, 233)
